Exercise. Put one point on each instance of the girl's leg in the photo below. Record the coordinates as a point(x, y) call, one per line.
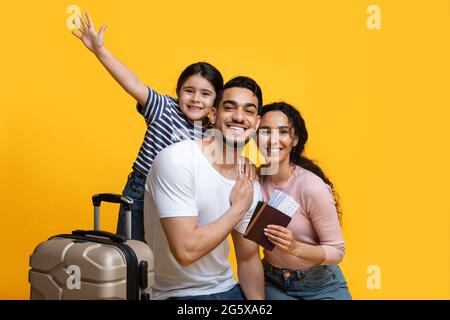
point(135, 189)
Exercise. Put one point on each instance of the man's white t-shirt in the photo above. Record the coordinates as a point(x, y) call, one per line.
point(182, 183)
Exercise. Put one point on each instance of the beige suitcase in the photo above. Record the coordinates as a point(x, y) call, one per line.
point(93, 265)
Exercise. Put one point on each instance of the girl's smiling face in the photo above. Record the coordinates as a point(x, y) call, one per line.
point(196, 97)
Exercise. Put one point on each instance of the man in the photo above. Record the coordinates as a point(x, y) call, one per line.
point(194, 200)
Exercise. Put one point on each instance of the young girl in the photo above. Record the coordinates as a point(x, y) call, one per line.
point(168, 120)
point(304, 262)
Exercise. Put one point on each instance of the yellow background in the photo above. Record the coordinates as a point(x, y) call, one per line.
point(376, 105)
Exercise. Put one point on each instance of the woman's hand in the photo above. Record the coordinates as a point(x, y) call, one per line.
point(282, 238)
point(92, 39)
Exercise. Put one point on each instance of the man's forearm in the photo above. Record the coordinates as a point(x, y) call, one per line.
point(203, 239)
point(251, 278)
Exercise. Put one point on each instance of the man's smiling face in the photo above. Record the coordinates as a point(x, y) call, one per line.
point(236, 116)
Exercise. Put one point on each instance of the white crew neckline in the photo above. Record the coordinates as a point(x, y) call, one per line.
point(226, 180)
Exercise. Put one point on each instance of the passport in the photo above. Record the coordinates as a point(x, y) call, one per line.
point(264, 215)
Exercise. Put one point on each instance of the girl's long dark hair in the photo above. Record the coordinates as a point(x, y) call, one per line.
point(296, 157)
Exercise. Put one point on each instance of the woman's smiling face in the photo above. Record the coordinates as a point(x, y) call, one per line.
point(276, 137)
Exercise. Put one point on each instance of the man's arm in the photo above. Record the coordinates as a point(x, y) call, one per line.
point(250, 270)
point(189, 242)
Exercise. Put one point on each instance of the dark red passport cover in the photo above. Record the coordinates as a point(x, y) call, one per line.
point(262, 217)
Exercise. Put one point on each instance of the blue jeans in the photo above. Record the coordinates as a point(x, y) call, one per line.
point(234, 293)
point(321, 282)
point(135, 189)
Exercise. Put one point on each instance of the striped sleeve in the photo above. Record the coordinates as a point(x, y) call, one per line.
point(154, 107)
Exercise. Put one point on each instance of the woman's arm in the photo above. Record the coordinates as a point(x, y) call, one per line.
point(321, 209)
point(284, 239)
point(94, 41)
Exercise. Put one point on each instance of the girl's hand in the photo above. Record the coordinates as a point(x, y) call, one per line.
point(92, 39)
point(282, 238)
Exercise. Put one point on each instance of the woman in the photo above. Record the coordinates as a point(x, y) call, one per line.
point(304, 261)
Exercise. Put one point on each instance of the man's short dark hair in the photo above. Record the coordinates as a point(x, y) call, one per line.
point(242, 82)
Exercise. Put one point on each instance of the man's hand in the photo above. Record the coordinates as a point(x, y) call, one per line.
point(92, 39)
point(250, 170)
point(241, 196)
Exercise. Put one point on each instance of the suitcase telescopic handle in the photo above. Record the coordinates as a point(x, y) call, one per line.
point(97, 199)
point(96, 233)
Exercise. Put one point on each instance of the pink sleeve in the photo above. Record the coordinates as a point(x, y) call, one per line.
point(320, 206)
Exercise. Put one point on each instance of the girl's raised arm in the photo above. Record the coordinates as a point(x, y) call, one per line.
point(94, 41)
